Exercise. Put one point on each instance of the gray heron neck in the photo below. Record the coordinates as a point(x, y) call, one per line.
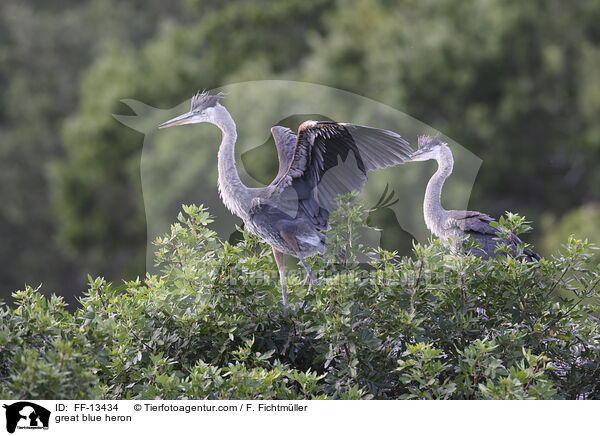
point(435, 215)
point(235, 195)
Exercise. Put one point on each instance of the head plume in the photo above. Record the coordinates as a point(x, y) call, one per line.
point(429, 141)
point(203, 100)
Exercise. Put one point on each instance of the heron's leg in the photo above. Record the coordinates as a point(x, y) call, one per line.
point(305, 281)
point(293, 243)
point(311, 279)
point(278, 255)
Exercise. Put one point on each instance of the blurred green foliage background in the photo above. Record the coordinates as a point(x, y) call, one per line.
point(515, 82)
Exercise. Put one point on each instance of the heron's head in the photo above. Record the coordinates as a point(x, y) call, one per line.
point(430, 147)
point(203, 110)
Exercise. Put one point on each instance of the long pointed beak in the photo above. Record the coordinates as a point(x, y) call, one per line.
point(177, 120)
point(415, 154)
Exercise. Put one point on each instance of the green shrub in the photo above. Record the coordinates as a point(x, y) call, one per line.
point(431, 326)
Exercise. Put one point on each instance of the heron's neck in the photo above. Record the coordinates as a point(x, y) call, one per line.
point(235, 195)
point(435, 214)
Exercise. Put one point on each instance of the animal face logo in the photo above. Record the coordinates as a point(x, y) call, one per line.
point(26, 415)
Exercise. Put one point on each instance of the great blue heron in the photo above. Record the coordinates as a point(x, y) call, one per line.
point(454, 225)
point(324, 160)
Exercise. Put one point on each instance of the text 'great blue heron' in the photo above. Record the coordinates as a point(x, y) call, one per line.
point(454, 225)
point(325, 159)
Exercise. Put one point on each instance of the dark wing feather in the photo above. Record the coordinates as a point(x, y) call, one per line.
point(378, 148)
point(468, 221)
point(477, 226)
point(331, 159)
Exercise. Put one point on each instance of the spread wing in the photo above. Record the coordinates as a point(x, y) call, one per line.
point(330, 159)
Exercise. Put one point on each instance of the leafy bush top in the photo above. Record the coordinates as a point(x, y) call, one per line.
point(432, 326)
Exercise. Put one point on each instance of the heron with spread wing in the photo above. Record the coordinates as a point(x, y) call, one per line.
point(323, 160)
